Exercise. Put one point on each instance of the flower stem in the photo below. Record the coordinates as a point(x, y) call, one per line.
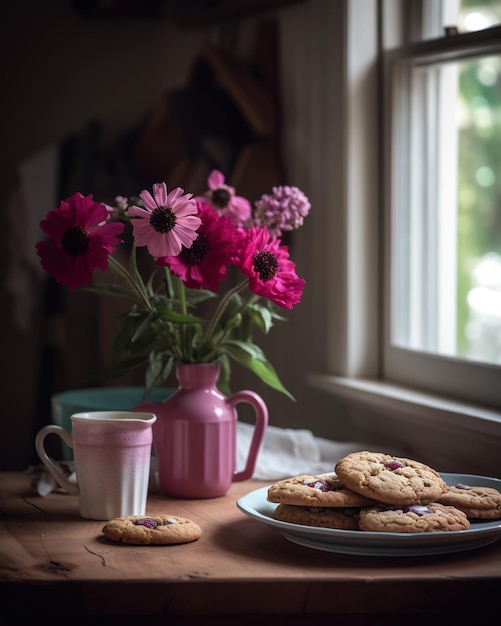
point(184, 310)
point(138, 288)
point(221, 308)
point(168, 283)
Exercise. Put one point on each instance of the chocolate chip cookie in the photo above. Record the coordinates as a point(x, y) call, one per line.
point(390, 479)
point(338, 518)
point(324, 491)
point(476, 502)
point(159, 530)
point(415, 518)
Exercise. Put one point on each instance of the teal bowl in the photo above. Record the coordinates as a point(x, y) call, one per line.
point(66, 403)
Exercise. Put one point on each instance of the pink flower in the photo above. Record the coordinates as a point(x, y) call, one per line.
point(80, 240)
point(271, 273)
point(122, 203)
point(283, 210)
point(222, 198)
point(167, 222)
point(204, 264)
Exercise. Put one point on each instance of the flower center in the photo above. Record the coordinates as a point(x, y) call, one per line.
point(163, 219)
point(265, 264)
point(75, 241)
point(197, 252)
point(221, 197)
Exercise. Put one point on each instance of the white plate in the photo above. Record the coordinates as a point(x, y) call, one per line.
point(365, 543)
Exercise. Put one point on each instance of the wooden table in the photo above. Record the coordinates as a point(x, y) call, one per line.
point(56, 565)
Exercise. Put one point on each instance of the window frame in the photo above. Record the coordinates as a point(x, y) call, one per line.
point(450, 376)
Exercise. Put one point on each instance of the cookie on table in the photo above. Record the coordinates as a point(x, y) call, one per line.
point(341, 519)
point(415, 518)
point(390, 479)
point(476, 502)
point(323, 491)
point(159, 530)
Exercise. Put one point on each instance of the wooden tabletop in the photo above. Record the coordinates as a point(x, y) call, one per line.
point(56, 564)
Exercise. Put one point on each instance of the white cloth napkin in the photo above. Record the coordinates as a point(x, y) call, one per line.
point(44, 483)
point(289, 452)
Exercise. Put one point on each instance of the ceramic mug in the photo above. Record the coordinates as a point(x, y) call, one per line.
point(112, 454)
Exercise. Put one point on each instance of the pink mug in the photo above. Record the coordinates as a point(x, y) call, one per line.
point(195, 434)
point(112, 451)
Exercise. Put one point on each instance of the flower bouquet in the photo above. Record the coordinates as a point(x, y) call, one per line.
point(179, 313)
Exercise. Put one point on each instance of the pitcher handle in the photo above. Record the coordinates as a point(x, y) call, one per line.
point(62, 481)
point(261, 414)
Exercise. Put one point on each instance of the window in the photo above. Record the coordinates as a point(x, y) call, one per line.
point(443, 207)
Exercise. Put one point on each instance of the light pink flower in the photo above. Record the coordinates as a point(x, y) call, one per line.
point(167, 222)
point(222, 198)
point(282, 210)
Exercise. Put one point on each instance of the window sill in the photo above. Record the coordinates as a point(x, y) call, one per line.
point(381, 394)
point(449, 435)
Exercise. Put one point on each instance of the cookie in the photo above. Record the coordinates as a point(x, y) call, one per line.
point(476, 502)
point(342, 518)
point(324, 491)
point(415, 518)
point(390, 479)
point(159, 530)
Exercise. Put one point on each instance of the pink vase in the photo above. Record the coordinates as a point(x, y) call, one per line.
point(195, 434)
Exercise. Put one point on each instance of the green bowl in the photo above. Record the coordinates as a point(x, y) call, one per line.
point(66, 403)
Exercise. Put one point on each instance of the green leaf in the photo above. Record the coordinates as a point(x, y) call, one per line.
point(142, 343)
point(149, 285)
point(169, 315)
point(157, 371)
point(196, 334)
point(251, 356)
point(195, 296)
point(223, 383)
point(143, 326)
point(111, 289)
point(263, 316)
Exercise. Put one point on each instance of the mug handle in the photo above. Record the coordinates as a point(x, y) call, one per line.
point(62, 481)
point(261, 413)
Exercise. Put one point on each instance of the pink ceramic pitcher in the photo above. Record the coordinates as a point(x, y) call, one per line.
point(195, 434)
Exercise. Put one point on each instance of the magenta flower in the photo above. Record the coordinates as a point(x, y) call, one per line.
point(204, 264)
point(282, 210)
point(271, 273)
point(195, 240)
point(222, 198)
point(80, 240)
point(167, 222)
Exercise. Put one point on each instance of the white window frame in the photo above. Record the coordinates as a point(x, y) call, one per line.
point(424, 233)
point(424, 368)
